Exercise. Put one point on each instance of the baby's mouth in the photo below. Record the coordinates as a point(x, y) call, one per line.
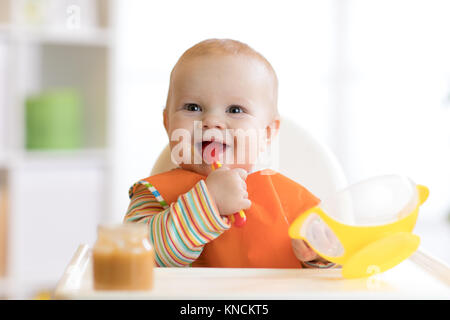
point(212, 150)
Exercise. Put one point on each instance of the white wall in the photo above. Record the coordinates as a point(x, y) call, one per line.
point(396, 96)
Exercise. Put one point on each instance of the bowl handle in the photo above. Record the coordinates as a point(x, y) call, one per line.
point(423, 193)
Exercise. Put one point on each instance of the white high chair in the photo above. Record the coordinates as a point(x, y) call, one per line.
point(310, 163)
point(302, 158)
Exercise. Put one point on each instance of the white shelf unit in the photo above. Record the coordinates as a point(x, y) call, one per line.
point(52, 200)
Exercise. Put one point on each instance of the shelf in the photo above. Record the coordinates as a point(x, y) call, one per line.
point(57, 184)
point(93, 37)
point(83, 69)
point(51, 21)
point(86, 158)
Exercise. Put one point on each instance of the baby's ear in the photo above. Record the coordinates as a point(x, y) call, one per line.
point(166, 120)
point(272, 129)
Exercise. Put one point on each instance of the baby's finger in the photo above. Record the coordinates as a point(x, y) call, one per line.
point(222, 169)
point(303, 251)
point(245, 204)
point(242, 173)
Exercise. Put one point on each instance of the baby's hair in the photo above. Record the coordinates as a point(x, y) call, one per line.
point(227, 47)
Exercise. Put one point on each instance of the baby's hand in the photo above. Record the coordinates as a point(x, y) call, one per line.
point(303, 252)
point(229, 190)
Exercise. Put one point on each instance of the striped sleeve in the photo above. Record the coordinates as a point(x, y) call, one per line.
point(180, 230)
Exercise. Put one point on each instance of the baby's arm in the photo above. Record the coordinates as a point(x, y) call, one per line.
point(178, 232)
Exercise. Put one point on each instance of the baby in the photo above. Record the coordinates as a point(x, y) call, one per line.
point(218, 90)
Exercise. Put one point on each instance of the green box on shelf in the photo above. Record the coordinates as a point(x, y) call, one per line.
point(54, 120)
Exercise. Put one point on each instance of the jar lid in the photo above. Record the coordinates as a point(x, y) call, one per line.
point(125, 230)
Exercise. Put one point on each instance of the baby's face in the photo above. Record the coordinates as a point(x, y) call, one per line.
point(210, 98)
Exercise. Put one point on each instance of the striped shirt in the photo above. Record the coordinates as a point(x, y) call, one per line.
point(180, 230)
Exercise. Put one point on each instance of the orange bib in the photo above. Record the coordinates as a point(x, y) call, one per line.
point(263, 242)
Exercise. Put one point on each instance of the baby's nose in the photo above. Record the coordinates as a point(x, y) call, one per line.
point(212, 122)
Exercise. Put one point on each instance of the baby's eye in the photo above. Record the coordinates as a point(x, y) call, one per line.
point(192, 107)
point(235, 109)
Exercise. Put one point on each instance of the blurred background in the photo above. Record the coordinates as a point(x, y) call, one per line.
point(83, 84)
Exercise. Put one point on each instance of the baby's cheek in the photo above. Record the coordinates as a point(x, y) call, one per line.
point(246, 151)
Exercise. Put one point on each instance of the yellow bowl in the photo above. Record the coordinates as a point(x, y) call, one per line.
point(365, 226)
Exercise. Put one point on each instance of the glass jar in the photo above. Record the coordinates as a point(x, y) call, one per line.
point(123, 258)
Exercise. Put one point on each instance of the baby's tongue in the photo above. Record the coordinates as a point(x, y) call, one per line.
point(211, 151)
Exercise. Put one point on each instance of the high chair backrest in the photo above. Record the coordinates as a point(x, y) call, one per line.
point(302, 158)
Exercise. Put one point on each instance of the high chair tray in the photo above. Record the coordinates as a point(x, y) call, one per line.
point(419, 277)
